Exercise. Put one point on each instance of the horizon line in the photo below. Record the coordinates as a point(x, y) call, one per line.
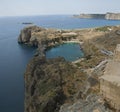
point(34, 15)
point(52, 14)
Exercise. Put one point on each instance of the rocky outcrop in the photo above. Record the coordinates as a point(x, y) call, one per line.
point(112, 16)
point(26, 33)
point(44, 38)
point(93, 103)
point(35, 36)
point(49, 83)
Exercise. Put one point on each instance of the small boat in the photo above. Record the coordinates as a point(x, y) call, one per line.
point(27, 23)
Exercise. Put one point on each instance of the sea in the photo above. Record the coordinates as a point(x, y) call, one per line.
point(14, 57)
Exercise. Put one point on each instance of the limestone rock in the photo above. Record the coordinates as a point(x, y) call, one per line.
point(112, 16)
point(109, 15)
point(92, 103)
point(48, 83)
point(26, 33)
point(70, 34)
point(44, 38)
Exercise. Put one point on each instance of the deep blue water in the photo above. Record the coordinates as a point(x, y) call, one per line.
point(70, 51)
point(14, 57)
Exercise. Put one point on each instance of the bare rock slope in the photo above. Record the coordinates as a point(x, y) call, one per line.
point(49, 83)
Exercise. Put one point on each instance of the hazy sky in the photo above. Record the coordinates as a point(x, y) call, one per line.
point(44, 7)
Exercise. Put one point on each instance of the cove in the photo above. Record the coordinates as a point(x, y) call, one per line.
point(14, 57)
point(70, 51)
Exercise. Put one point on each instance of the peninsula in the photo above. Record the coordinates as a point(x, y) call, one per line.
point(108, 16)
point(96, 16)
point(55, 85)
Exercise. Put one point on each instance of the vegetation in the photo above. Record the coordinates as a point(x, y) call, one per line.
point(104, 29)
point(51, 82)
point(93, 56)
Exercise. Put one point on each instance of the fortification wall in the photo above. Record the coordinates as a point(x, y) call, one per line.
point(117, 53)
point(110, 81)
point(111, 92)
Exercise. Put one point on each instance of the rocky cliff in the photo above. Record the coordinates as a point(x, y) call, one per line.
point(50, 83)
point(34, 35)
point(96, 16)
point(112, 16)
point(108, 16)
point(44, 38)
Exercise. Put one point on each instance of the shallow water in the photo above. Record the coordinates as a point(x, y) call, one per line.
point(70, 51)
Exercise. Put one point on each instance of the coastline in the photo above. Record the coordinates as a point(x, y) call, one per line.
point(92, 39)
point(107, 16)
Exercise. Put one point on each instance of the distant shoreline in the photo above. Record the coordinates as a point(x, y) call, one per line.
point(108, 16)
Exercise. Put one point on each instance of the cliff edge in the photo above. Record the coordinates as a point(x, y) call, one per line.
point(50, 83)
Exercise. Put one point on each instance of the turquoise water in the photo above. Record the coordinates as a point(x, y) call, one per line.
point(70, 51)
point(14, 57)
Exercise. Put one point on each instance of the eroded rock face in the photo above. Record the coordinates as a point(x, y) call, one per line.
point(25, 34)
point(48, 83)
point(35, 36)
point(112, 16)
point(93, 103)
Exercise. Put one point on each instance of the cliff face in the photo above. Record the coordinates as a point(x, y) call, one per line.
point(44, 38)
point(35, 36)
point(49, 83)
point(26, 33)
point(112, 16)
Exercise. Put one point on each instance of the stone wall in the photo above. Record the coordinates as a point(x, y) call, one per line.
point(110, 81)
point(111, 93)
point(117, 53)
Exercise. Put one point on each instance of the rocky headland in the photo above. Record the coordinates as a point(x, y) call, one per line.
point(50, 83)
point(112, 16)
point(55, 85)
point(92, 16)
point(108, 16)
